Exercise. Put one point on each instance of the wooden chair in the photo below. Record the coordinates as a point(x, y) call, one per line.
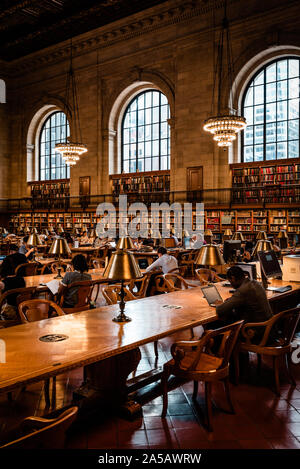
point(207, 276)
point(23, 294)
point(111, 294)
point(27, 270)
point(178, 281)
point(84, 294)
point(139, 287)
point(65, 267)
point(36, 310)
point(188, 260)
point(41, 432)
point(272, 338)
point(195, 360)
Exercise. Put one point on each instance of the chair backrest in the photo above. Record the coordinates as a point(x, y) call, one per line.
point(206, 276)
point(27, 270)
point(84, 291)
point(223, 348)
point(177, 281)
point(163, 285)
point(45, 433)
point(23, 294)
point(141, 284)
point(38, 309)
point(111, 294)
point(65, 266)
point(279, 330)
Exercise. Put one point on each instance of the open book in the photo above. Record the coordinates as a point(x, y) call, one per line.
point(53, 286)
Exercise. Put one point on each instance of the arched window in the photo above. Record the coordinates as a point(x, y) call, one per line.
point(146, 134)
point(271, 108)
point(51, 165)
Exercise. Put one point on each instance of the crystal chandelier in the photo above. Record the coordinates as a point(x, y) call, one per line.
point(225, 125)
point(71, 150)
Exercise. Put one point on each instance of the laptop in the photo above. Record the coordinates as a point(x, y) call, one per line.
point(211, 295)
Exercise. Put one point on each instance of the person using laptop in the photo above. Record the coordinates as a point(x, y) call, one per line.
point(165, 262)
point(249, 301)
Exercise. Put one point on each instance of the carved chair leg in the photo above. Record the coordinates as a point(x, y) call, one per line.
point(288, 362)
point(192, 333)
point(46, 392)
point(228, 395)
point(195, 391)
point(208, 405)
point(276, 375)
point(164, 385)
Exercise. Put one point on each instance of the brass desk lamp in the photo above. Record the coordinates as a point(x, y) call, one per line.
point(59, 247)
point(122, 266)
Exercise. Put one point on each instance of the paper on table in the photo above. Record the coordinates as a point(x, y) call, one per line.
point(53, 286)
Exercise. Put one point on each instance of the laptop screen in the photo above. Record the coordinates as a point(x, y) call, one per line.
point(211, 294)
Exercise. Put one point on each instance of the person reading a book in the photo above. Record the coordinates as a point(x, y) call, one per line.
point(78, 275)
point(26, 249)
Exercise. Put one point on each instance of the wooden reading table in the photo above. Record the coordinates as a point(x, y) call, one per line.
point(90, 337)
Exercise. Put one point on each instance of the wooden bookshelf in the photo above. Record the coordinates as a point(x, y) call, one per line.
point(146, 184)
point(50, 194)
point(248, 221)
point(267, 182)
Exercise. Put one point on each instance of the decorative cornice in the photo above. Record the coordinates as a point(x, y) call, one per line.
point(109, 35)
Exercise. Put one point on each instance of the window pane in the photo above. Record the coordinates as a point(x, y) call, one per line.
point(294, 109)
point(271, 112)
point(282, 110)
point(281, 131)
point(248, 154)
point(281, 69)
point(271, 151)
point(259, 134)
point(282, 90)
point(258, 114)
point(270, 92)
point(294, 88)
point(293, 68)
point(293, 149)
point(248, 114)
point(258, 94)
point(282, 150)
point(271, 73)
point(271, 132)
point(258, 153)
point(259, 79)
point(249, 135)
point(293, 129)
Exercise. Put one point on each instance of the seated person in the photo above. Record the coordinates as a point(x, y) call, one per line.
point(14, 258)
point(246, 255)
point(177, 242)
point(78, 275)
point(148, 241)
point(165, 262)
point(99, 242)
point(8, 282)
point(85, 239)
point(26, 249)
point(249, 301)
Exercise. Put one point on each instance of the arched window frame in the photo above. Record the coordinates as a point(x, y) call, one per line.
point(134, 99)
point(66, 168)
point(263, 69)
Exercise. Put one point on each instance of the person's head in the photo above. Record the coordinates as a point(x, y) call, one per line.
point(236, 276)
point(13, 248)
point(25, 239)
point(79, 263)
point(248, 246)
point(161, 251)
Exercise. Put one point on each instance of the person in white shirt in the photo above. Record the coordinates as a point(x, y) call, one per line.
point(198, 241)
point(165, 262)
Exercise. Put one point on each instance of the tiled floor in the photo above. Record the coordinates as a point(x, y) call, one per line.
point(261, 421)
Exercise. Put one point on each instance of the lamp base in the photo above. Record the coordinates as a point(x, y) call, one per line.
point(121, 318)
point(58, 276)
